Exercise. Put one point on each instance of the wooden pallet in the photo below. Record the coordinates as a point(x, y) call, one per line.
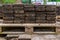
point(29, 26)
point(57, 17)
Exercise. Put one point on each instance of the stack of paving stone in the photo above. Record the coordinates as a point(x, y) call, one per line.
point(58, 10)
point(45, 13)
point(1, 15)
point(58, 13)
point(51, 13)
point(40, 14)
point(19, 14)
point(7, 11)
point(29, 13)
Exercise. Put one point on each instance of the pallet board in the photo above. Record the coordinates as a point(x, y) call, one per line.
point(30, 16)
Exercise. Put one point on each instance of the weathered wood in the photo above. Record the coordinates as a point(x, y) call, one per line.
point(58, 29)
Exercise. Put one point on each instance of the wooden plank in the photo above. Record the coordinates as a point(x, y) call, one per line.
point(28, 24)
point(57, 17)
point(13, 32)
point(58, 30)
point(0, 29)
point(44, 32)
point(29, 29)
point(57, 24)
